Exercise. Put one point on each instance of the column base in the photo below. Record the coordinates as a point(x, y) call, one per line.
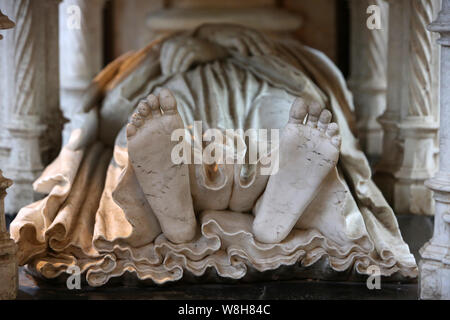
point(434, 280)
point(389, 162)
point(24, 165)
point(413, 197)
point(371, 138)
point(418, 164)
point(4, 155)
point(9, 278)
point(435, 263)
point(21, 193)
point(71, 106)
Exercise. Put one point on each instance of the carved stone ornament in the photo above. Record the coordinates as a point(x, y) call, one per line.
point(8, 251)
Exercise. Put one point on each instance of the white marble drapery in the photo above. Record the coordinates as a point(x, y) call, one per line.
point(86, 183)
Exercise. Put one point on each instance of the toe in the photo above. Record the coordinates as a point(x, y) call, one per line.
point(298, 111)
point(324, 120)
point(153, 103)
point(332, 129)
point(131, 130)
point(336, 141)
point(137, 120)
point(143, 109)
point(168, 102)
point(314, 110)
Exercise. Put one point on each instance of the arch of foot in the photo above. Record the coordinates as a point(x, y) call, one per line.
point(435, 263)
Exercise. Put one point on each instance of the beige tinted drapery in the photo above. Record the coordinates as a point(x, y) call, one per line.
point(95, 215)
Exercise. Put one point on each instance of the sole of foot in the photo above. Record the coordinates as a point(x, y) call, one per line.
point(309, 150)
point(165, 184)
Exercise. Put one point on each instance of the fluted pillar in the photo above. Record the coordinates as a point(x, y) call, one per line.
point(368, 69)
point(435, 263)
point(32, 94)
point(410, 121)
point(81, 50)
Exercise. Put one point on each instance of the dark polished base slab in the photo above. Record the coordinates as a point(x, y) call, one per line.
point(416, 230)
point(284, 290)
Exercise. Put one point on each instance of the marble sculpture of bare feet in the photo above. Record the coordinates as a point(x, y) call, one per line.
point(165, 185)
point(307, 153)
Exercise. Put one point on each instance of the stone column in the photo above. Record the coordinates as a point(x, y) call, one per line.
point(52, 117)
point(435, 263)
point(81, 51)
point(9, 279)
point(5, 23)
point(368, 68)
point(410, 121)
point(32, 100)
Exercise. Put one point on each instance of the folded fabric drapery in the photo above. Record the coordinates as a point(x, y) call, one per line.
point(96, 216)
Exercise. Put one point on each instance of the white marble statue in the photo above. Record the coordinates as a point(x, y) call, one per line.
point(117, 202)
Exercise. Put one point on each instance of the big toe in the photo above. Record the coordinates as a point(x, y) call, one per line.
point(332, 131)
point(298, 111)
point(314, 110)
point(167, 101)
point(324, 120)
point(154, 105)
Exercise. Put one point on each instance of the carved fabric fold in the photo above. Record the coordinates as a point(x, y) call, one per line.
point(96, 216)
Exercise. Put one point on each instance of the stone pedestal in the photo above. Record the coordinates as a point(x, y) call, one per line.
point(9, 279)
point(410, 122)
point(24, 161)
point(418, 164)
point(435, 263)
point(368, 56)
